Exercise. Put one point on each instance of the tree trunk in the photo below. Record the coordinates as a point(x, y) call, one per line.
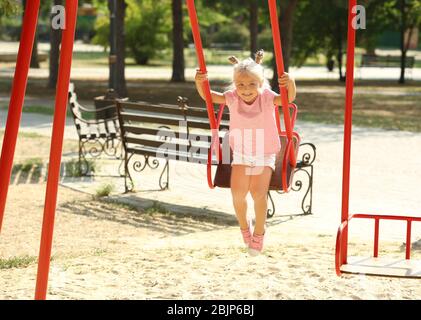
point(254, 27)
point(34, 56)
point(55, 39)
point(121, 86)
point(178, 42)
point(286, 24)
point(340, 49)
point(403, 49)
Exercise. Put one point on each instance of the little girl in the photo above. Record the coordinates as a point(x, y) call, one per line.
point(255, 143)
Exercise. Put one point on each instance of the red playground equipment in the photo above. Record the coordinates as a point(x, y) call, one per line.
point(282, 177)
point(13, 120)
point(375, 265)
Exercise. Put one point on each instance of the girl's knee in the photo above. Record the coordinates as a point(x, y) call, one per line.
point(258, 194)
point(239, 194)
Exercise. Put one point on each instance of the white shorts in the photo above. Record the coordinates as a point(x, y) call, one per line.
point(267, 160)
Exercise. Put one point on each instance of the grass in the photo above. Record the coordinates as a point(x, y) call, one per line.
point(104, 190)
point(118, 205)
point(377, 104)
point(39, 110)
point(28, 164)
point(72, 168)
point(371, 108)
point(30, 135)
point(156, 207)
point(17, 262)
point(35, 164)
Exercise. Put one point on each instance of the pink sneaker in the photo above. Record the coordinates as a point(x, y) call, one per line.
point(246, 233)
point(256, 245)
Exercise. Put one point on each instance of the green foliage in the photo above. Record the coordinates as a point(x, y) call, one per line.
point(147, 26)
point(28, 164)
point(17, 262)
point(74, 169)
point(104, 190)
point(319, 27)
point(9, 7)
point(232, 33)
point(156, 207)
point(102, 30)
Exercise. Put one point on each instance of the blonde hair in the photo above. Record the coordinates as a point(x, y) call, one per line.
point(250, 67)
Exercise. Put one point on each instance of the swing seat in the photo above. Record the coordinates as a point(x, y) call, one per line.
point(223, 171)
point(375, 265)
point(383, 266)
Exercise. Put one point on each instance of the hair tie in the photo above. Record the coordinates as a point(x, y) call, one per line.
point(233, 60)
point(259, 56)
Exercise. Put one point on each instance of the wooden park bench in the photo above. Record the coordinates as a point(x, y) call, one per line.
point(98, 130)
point(375, 61)
point(146, 128)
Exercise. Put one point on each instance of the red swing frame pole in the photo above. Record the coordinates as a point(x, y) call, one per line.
point(194, 22)
point(56, 148)
point(201, 60)
point(348, 126)
point(17, 97)
point(277, 44)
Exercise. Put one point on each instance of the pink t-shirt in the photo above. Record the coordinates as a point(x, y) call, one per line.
point(253, 129)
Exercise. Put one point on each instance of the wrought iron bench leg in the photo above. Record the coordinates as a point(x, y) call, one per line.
point(270, 211)
point(165, 184)
point(139, 166)
point(309, 192)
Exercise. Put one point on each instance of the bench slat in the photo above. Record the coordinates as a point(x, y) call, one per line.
point(386, 61)
point(169, 109)
point(172, 155)
point(156, 143)
point(167, 133)
point(196, 123)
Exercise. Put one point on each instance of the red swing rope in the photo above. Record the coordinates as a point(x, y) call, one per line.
point(214, 124)
point(206, 88)
point(277, 44)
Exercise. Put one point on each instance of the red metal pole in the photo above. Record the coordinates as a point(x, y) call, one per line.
point(56, 149)
point(277, 44)
point(202, 66)
point(348, 125)
point(16, 99)
point(408, 240)
point(376, 238)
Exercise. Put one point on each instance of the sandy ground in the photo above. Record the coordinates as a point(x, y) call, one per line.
point(107, 251)
point(103, 251)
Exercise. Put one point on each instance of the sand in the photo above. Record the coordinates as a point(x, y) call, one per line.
point(105, 251)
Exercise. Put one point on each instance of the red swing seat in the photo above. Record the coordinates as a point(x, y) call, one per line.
point(223, 172)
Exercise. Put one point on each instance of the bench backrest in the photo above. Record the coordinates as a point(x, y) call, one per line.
point(151, 128)
point(386, 61)
point(88, 126)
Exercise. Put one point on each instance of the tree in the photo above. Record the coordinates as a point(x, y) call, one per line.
point(320, 33)
point(34, 56)
point(410, 17)
point(254, 26)
point(55, 39)
point(286, 25)
point(147, 28)
point(8, 7)
point(178, 42)
point(121, 87)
